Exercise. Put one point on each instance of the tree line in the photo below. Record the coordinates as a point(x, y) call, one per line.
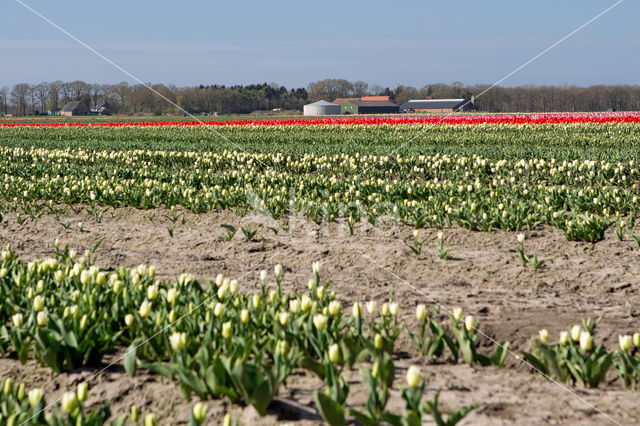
point(126, 99)
point(123, 98)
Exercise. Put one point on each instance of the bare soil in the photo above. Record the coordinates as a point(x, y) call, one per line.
point(484, 277)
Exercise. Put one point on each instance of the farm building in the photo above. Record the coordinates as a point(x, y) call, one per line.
point(433, 105)
point(338, 101)
point(101, 108)
point(75, 108)
point(321, 108)
point(368, 107)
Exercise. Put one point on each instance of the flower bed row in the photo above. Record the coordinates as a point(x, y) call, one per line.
point(551, 118)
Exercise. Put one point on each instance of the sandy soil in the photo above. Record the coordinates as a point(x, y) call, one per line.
point(484, 277)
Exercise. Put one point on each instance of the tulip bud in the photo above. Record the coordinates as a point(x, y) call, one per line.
point(223, 289)
point(150, 420)
point(42, 319)
point(440, 236)
point(83, 322)
point(38, 303)
point(178, 341)
point(320, 292)
point(218, 310)
point(128, 320)
point(85, 277)
point(293, 306)
point(305, 303)
point(636, 340)
point(377, 341)
point(199, 412)
point(152, 292)
point(469, 323)
point(263, 275)
point(282, 347)
point(244, 316)
point(17, 319)
point(283, 318)
point(82, 391)
point(521, 238)
point(69, 402)
point(172, 316)
point(356, 310)
point(334, 354)
point(371, 306)
point(7, 387)
point(626, 343)
point(172, 294)
point(316, 267)
point(272, 296)
point(320, 322)
point(311, 284)
point(219, 280)
point(226, 330)
point(575, 333)
point(278, 270)
point(564, 337)
point(334, 307)
point(457, 314)
point(421, 312)
point(101, 278)
point(375, 370)
point(393, 309)
point(21, 392)
point(117, 286)
point(226, 421)
point(40, 286)
point(586, 341)
point(35, 396)
point(385, 309)
point(233, 286)
point(145, 309)
point(544, 335)
point(414, 377)
point(135, 414)
point(255, 300)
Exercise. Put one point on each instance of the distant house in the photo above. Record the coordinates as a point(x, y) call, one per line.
point(433, 105)
point(75, 108)
point(368, 107)
point(101, 108)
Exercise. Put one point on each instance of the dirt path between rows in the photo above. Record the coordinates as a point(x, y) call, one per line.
point(484, 277)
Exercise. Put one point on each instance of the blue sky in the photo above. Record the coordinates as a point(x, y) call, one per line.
point(292, 43)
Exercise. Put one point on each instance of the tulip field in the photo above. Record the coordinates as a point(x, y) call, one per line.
point(407, 270)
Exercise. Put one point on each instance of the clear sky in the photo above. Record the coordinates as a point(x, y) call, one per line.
point(409, 42)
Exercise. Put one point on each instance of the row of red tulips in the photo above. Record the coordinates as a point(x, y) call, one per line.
point(551, 118)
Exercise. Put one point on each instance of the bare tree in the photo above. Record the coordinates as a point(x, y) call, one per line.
point(96, 92)
point(360, 89)
point(66, 90)
point(4, 95)
point(54, 95)
point(20, 97)
point(42, 92)
point(79, 90)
